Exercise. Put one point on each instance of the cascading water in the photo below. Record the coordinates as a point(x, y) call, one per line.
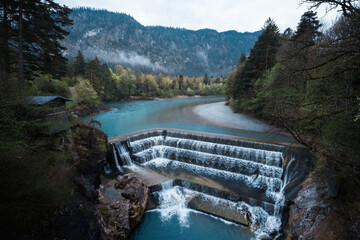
point(125, 157)
point(251, 171)
point(119, 168)
point(173, 202)
point(287, 176)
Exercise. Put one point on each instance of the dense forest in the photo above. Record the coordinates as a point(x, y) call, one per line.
point(117, 38)
point(95, 83)
point(308, 81)
point(104, 84)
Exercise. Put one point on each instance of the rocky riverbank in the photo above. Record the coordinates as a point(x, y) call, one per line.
point(79, 219)
point(94, 214)
point(316, 215)
point(122, 205)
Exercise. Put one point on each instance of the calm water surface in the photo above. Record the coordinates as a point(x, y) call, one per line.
point(133, 116)
point(200, 227)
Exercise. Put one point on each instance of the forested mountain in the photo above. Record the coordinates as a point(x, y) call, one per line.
point(118, 38)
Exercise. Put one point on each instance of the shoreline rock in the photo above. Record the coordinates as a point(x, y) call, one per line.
point(316, 215)
point(122, 216)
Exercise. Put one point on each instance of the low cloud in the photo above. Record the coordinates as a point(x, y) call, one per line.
point(123, 57)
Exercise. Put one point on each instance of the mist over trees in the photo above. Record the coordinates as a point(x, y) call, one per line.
point(117, 38)
point(113, 84)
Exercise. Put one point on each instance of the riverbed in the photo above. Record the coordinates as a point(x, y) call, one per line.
point(203, 114)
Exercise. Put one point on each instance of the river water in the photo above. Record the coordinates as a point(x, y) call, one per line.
point(204, 114)
point(183, 113)
point(199, 226)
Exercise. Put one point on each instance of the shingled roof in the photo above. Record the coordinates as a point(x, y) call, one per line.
point(41, 100)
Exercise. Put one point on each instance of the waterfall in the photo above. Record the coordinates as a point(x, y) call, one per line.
point(287, 178)
point(247, 176)
point(119, 168)
point(173, 203)
point(125, 158)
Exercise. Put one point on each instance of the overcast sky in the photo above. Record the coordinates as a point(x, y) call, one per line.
point(221, 15)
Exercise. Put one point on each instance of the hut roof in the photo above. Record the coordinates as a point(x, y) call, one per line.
point(41, 100)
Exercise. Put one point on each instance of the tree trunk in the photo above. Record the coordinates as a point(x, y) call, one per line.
point(4, 59)
point(308, 70)
point(21, 48)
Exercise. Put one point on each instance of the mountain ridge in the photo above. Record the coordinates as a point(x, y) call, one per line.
point(117, 38)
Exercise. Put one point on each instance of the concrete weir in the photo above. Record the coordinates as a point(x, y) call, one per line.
point(247, 181)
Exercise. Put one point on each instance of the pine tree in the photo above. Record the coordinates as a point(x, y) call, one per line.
point(242, 59)
point(308, 28)
point(34, 29)
point(305, 36)
point(107, 82)
point(5, 35)
point(261, 59)
point(206, 79)
point(93, 74)
point(79, 64)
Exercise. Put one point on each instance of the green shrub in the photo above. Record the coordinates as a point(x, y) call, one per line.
point(86, 93)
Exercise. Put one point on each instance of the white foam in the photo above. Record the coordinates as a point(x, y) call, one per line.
point(259, 182)
point(174, 203)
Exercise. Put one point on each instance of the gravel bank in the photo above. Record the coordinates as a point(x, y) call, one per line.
point(221, 114)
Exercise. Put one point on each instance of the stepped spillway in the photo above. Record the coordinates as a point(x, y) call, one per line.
point(244, 177)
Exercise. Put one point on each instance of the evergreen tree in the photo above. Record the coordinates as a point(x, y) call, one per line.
point(308, 28)
point(33, 28)
point(261, 58)
point(93, 74)
point(242, 59)
point(79, 64)
point(206, 79)
point(106, 79)
point(6, 33)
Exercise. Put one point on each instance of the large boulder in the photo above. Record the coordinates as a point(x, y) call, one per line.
point(122, 216)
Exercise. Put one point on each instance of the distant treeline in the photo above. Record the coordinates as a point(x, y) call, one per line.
point(95, 83)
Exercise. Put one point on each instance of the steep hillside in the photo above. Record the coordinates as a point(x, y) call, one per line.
point(118, 38)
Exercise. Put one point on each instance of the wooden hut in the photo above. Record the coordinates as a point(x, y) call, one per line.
point(54, 114)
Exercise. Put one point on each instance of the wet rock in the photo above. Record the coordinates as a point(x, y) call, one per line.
point(332, 185)
point(315, 214)
point(122, 216)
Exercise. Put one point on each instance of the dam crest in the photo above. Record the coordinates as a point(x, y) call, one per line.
point(245, 181)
